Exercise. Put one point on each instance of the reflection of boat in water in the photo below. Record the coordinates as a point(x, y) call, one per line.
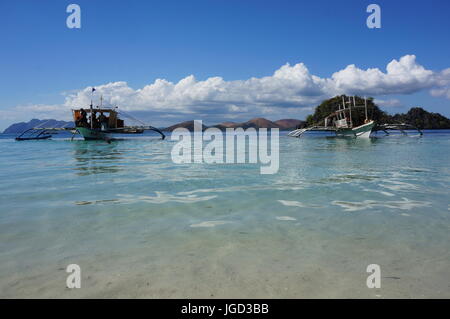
point(95, 158)
point(101, 124)
point(342, 123)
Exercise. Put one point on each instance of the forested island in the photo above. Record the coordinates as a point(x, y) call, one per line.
point(416, 116)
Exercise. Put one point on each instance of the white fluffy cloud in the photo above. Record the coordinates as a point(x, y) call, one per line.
point(443, 84)
point(388, 103)
point(401, 77)
point(291, 87)
point(288, 86)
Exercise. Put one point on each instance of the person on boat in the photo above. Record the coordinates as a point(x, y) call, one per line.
point(103, 121)
point(94, 120)
point(82, 120)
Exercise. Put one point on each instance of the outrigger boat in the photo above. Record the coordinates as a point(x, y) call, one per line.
point(101, 128)
point(96, 129)
point(341, 122)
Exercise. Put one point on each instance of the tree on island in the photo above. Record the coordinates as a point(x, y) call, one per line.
point(415, 116)
point(418, 117)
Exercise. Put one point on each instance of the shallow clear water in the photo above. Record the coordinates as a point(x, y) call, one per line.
point(141, 226)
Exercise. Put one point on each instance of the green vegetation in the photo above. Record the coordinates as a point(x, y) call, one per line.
point(423, 119)
point(415, 116)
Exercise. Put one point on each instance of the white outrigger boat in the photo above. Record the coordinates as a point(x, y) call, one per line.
point(341, 122)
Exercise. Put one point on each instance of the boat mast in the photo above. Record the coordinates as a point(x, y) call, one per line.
point(92, 110)
point(350, 109)
point(365, 108)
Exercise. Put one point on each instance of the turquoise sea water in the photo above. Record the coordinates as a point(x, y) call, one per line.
point(141, 226)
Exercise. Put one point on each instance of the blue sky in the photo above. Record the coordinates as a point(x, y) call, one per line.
point(46, 67)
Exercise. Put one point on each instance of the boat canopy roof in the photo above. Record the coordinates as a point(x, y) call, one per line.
point(95, 110)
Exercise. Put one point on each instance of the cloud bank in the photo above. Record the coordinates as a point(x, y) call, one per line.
point(289, 89)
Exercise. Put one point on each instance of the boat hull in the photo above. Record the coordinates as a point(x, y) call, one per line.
point(93, 134)
point(362, 131)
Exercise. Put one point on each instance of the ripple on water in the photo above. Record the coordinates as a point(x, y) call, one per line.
point(405, 204)
point(210, 223)
point(287, 218)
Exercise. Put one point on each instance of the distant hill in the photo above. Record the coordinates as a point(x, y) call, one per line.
point(224, 125)
point(289, 124)
point(227, 124)
point(257, 123)
point(285, 124)
point(187, 124)
point(22, 126)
